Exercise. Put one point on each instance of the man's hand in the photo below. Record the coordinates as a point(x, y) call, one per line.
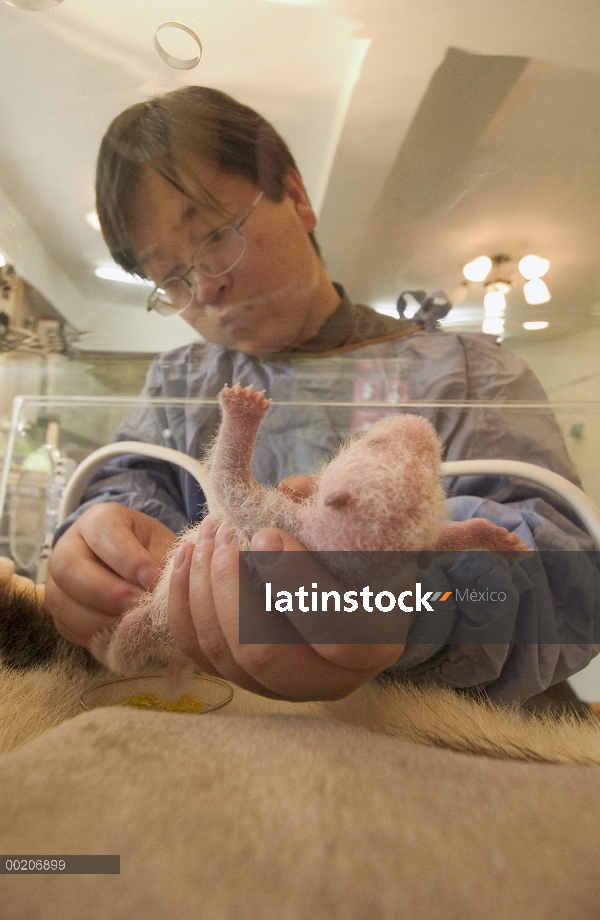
point(203, 615)
point(101, 566)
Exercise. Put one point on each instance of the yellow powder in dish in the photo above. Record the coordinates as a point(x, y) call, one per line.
point(185, 703)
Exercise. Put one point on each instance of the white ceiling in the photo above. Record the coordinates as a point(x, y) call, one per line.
point(417, 155)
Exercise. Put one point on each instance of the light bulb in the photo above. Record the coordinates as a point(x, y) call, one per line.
point(538, 324)
point(536, 291)
point(493, 325)
point(494, 304)
point(533, 267)
point(478, 269)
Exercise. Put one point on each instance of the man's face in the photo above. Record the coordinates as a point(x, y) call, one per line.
point(278, 294)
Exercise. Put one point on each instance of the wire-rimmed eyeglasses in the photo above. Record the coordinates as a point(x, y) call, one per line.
point(215, 256)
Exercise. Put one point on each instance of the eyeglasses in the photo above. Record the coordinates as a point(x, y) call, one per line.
point(215, 256)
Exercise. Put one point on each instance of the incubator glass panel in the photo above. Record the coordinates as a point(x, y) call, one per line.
point(450, 152)
point(48, 438)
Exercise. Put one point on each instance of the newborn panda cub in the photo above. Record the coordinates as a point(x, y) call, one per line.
point(381, 492)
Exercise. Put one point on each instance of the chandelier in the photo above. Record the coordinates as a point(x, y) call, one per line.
point(498, 275)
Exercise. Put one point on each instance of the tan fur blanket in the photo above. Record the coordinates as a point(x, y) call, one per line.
point(294, 818)
point(291, 811)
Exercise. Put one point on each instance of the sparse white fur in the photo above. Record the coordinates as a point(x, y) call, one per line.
point(390, 478)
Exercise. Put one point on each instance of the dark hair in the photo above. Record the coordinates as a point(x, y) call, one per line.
point(172, 133)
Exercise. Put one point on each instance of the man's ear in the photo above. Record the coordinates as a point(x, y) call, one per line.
point(295, 190)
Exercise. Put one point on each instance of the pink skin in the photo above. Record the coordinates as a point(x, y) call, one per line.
point(360, 501)
point(381, 492)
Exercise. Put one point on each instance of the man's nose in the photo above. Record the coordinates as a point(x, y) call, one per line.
point(207, 289)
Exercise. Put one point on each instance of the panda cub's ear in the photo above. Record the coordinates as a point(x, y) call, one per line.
point(337, 500)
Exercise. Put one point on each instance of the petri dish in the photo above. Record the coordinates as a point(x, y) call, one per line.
point(195, 694)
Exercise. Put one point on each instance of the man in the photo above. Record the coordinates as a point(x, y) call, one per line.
point(200, 194)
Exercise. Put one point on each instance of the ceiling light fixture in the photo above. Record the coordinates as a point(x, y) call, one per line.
point(538, 324)
point(478, 269)
point(536, 291)
point(497, 273)
point(494, 303)
point(497, 286)
point(533, 267)
point(493, 325)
